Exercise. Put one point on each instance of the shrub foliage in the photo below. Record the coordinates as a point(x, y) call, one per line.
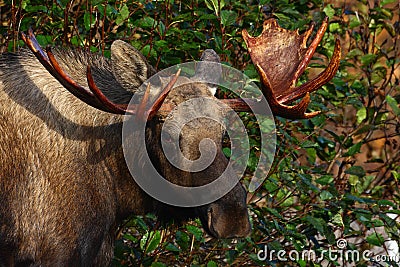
point(335, 176)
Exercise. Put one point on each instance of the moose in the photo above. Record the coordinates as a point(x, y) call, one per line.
point(64, 184)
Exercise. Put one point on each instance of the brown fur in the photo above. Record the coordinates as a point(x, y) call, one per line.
point(64, 184)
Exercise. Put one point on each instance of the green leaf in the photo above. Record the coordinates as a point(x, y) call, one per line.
point(325, 180)
point(88, 20)
point(375, 239)
point(182, 239)
point(199, 35)
point(302, 263)
point(147, 51)
point(361, 114)
point(161, 44)
point(267, 125)
point(307, 180)
point(354, 22)
point(154, 241)
point(227, 151)
point(377, 76)
point(228, 17)
point(215, 6)
point(329, 11)
point(24, 3)
point(270, 186)
point(139, 223)
point(274, 212)
point(196, 231)
point(388, 221)
point(354, 180)
point(368, 59)
point(356, 170)
point(325, 195)
point(143, 241)
point(385, 2)
point(393, 105)
point(354, 149)
point(391, 28)
point(385, 202)
point(335, 136)
point(359, 88)
point(337, 219)
point(364, 129)
point(34, 8)
point(309, 144)
point(172, 247)
point(147, 22)
point(212, 264)
point(385, 12)
point(334, 27)
point(359, 199)
point(354, 53)
point(318, 223)
point(208, 17)
point(130, 237)
point(122, 15)
point(255, 258)
point(396, 175)
point(158, 264)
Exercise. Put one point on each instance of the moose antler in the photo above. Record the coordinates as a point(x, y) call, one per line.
point(281, 56)
point(94, 96)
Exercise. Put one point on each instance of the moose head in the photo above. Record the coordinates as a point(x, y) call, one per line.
point(97, 190)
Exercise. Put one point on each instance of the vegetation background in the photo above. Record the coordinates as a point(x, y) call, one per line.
point(334, 177)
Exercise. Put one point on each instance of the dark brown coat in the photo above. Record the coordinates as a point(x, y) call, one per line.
point(64, 183)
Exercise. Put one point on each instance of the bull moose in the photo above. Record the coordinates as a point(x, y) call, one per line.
point(64, 183)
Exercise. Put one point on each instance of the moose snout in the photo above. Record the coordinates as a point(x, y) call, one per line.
point(228, 221)
point(227, 217)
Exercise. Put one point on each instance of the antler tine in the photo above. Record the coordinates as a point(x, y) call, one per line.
point(280, 57)
point(311, 49)
point(160, 99)
point(33, 45)
point(94, 96)
point(322, 78)
point(245, 105)
point(65, 80)
point(109, 105)
point(291, 112)
point(141, 108)
point(142, 112)
point(49, 61)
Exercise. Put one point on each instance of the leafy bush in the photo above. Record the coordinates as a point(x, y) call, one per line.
point(334, 176)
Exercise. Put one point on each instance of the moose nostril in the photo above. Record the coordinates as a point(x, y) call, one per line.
point(209, 215)
point(227, 223)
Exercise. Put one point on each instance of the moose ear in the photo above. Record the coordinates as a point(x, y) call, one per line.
point(129, 66)
point(209, 70)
